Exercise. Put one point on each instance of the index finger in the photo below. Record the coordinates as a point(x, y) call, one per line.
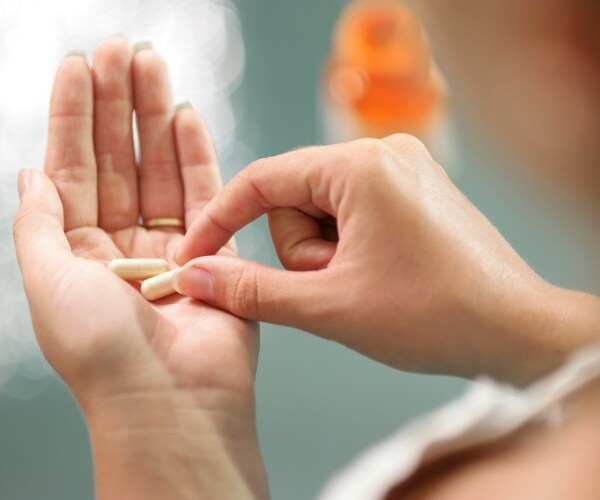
point(292, 179)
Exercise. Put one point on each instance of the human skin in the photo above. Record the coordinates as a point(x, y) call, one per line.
point(541, 461)
point(154, 423)
point(383, 253)
point(530, 72)
point(526, 74)
point(166, 388)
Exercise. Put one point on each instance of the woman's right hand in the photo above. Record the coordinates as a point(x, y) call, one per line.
point(385, 255)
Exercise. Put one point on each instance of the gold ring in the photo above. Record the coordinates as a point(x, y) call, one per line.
point(164, 222)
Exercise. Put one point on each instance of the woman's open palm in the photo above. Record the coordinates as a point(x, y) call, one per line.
point(93, 326)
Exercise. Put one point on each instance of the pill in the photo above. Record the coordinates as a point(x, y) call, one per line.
point(159, 286)
point(138, 269)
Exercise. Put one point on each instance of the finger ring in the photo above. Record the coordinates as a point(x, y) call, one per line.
point(164, 222)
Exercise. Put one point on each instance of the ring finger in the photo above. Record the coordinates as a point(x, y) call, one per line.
point(160, 187)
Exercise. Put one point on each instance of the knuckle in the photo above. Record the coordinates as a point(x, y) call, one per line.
point(250, 177)
point(370, 147)
point(372, 152)
point(250, 169)
point(376, 155)
point(407, 144)
point(244, 293)
point(254, 169)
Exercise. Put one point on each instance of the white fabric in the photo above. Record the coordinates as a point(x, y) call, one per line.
point(485, 412)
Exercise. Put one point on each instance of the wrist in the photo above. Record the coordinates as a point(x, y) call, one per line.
point(161, 444)
point(575, 320)
point(531, 330)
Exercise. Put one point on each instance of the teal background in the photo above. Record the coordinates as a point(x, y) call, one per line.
point(319, 404)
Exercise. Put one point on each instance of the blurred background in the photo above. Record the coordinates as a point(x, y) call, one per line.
point(268, 76)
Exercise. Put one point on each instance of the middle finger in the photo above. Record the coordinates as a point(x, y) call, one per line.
point(113, 135)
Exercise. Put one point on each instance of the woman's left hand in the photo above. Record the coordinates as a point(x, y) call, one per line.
point(166, 387)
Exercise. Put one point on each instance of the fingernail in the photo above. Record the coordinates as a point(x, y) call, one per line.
point(194, 282)
point(183, 105)
point(23, 181)
point(139, 46)
point(76, 53)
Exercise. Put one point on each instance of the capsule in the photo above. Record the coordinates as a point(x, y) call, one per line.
point(159, 286)
point(138, 269)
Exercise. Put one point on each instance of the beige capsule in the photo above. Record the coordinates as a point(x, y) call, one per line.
point(159, 286)
point(138, 269)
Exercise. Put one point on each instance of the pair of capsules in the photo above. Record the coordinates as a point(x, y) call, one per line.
point(154, 274)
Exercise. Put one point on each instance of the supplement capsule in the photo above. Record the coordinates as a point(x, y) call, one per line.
point(138, 269)
point(159, 286)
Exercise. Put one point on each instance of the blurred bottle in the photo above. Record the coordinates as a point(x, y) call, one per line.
point(380, 78)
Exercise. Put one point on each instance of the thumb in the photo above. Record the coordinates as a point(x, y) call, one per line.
point(38, 230)
point(258, 292)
